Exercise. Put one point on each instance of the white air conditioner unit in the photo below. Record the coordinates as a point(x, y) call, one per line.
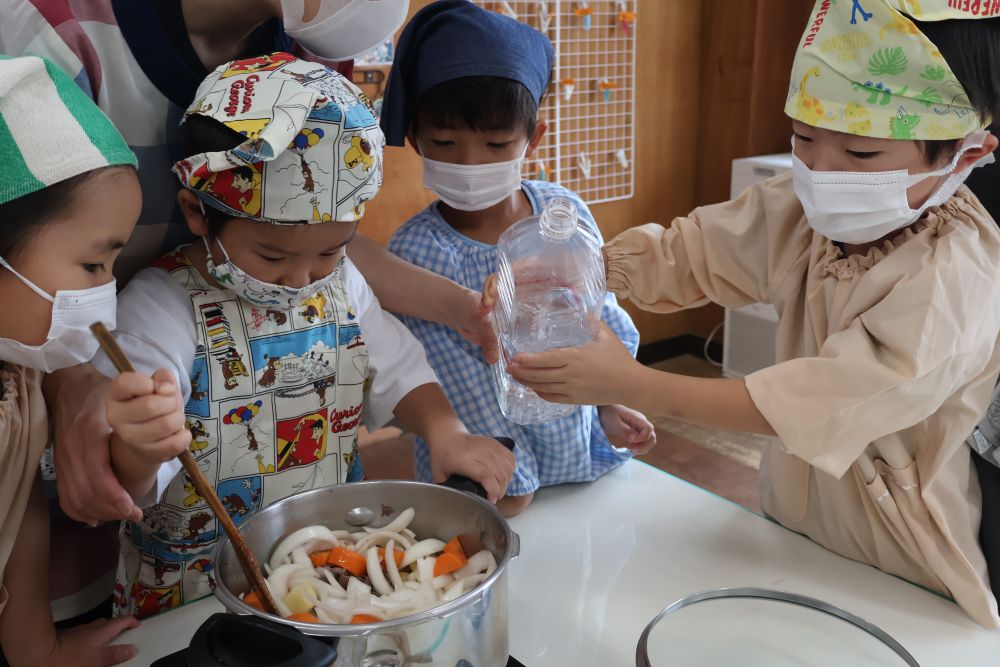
point(748, 343)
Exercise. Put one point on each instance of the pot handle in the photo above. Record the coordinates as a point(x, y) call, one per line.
point(515, 544)
point(230, 640)
point(462, 483)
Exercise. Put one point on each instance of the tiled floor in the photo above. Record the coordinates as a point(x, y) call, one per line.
point(723, 463)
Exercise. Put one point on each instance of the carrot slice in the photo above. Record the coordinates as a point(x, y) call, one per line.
point(319, 558)
point(351, 561)
point(364, 618)
point(304, 617)
point(396, 553)
point(448, 563)
point(455, 547)
point(253, 600)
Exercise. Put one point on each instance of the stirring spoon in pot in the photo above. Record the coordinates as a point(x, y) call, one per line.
point(243, 554)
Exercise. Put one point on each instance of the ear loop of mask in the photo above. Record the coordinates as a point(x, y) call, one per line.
point(208, 247)
point(35, 288)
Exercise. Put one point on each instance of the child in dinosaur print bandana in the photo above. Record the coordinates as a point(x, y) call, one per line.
point(883, 269)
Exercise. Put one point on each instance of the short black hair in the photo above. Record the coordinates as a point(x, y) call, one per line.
point(478, 103)
point(201, 134)
point(25, 216)
point(971, 47)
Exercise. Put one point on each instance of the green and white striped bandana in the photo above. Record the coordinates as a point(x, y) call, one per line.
point(49, 129)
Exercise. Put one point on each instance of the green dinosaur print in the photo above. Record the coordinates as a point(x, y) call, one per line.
point(901, 127)
point(878, 93)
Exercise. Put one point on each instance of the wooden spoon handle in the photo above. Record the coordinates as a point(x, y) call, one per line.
point(248, 562)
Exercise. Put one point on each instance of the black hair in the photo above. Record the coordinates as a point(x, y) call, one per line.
point(25, 216)
point(972, 50)
point(201, 134)
point(478, 103)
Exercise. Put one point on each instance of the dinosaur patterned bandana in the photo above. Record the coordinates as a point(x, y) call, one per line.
point(313, 148)
point(863, 67)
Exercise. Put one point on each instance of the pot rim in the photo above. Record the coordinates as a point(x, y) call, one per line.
point(234, 604)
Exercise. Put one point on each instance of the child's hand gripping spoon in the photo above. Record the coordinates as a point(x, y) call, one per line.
point(246, 558)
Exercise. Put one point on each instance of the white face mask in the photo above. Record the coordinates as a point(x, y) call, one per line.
point(860, 207)
point(343, 29)
point(258, 292)
point(69, 341)
point(473, 187)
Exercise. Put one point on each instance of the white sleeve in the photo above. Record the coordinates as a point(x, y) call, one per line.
point(397, 363)
point(156, 329)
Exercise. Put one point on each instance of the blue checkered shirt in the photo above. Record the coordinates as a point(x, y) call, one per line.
point(571, 449)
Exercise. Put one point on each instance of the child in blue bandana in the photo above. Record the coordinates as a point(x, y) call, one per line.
point(472, 117)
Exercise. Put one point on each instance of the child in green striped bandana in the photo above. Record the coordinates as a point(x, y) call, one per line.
point(69, 199)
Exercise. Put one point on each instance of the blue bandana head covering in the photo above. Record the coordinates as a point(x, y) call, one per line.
point(452, 39)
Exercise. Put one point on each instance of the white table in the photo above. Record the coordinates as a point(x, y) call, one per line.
point(598, 561)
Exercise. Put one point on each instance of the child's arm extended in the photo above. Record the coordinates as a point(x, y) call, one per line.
point(426, 412)
point(733, 254)
point(27, 634)
point(146, 415)
point(407, 289)
point(604, 373)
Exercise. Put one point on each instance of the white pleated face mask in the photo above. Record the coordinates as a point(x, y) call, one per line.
point(343, 29)
point(863, 206)
point(69, 341)
point(473, 187)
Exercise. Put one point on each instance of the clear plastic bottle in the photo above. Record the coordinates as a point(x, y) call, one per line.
point(550, 284)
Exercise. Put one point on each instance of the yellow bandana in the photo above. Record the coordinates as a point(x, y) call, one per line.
point(863, 67)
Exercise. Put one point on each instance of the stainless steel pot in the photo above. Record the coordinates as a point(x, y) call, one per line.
point(470, 631)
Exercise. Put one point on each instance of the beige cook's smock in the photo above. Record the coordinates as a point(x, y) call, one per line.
point(23, 435)
point(885, 363)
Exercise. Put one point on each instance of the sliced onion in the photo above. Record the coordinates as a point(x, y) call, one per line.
point(468, 583)
point(399, 523)
point(425, 569)
point(278, 581)
point(381, 538)
point(442, 581)
point(356, 589)
point(422, 549)
point(279, 606)
point(323, 616)
point(299, 538)
point(390, 565)
point(454, 591)
point(480, 562)
point(300, 557)
point(334, 584)
point(375, 575)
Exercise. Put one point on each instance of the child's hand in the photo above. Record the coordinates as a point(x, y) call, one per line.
point(88, 646)
point(471, 319)
point(477, 457)
point(598, 373)
point(148, 415)
point(627, 428)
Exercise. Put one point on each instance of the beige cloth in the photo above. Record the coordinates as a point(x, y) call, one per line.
point(23, 435)
point(886, 361)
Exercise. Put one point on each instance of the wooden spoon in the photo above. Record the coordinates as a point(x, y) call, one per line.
point(246, 558)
